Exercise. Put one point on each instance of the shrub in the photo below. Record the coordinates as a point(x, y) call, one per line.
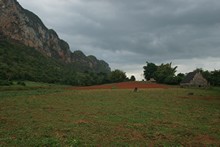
point(5, 83)
point(21, 83)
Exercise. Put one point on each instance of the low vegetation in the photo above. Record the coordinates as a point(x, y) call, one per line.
point(51, 115)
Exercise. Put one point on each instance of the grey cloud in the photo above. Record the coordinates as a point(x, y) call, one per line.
point(128, 32)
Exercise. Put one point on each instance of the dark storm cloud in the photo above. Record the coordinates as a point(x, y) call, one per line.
point(128, 32)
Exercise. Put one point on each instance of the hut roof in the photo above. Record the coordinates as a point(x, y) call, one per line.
point(189, 77)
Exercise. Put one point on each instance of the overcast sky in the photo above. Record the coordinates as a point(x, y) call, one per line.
point(127, 33)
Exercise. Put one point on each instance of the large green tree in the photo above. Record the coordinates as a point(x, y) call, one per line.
point(132, 78)
point(165, 73)
point(149, 70)
point(118, 76)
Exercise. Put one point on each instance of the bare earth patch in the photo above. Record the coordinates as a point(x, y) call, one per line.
point(82, 121)
point(123, 85)
point(205, 140)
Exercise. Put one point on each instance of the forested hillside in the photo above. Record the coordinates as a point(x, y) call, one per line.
point(19, 62)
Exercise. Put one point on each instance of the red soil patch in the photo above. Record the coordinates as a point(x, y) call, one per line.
point(205, 140)
point(137, 135)
point(123, 85)
point(82, 121)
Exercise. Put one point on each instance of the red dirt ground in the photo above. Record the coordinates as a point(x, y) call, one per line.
point(123, 85)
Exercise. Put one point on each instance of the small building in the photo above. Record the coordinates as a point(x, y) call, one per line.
point(194, 79)
point(152, 80)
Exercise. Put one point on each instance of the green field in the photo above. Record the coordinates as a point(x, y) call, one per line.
point(51, 115)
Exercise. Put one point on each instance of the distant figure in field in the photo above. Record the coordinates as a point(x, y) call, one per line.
point(135, 89)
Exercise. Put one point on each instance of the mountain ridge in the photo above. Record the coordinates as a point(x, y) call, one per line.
point(25, 27)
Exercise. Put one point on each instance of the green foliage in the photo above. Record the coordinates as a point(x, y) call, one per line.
point(213, 77)
point(117, 76)
point(19, 62)
point(179, 77)
point(163, 73)
point(21, 83)
point(149, 70)
point(5, 83)
point(132, 78)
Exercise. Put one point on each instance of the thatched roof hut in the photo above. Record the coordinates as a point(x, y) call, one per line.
point(194, 79)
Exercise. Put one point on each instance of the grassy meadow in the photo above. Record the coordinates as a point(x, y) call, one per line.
point(50, 115)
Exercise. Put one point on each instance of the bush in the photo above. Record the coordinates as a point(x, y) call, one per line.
point(21, 83)
point(171, 80)
point(5, 83)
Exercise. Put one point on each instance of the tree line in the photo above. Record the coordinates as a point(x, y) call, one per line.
point(166, 74)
